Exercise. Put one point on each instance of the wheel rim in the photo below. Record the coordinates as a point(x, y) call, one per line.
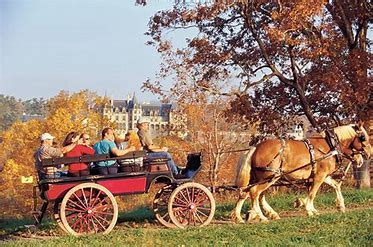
point(57, 216)
point(89, 208)
point(160, 206)
point(191, 204)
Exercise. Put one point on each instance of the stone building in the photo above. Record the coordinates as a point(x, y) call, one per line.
point(125, 113)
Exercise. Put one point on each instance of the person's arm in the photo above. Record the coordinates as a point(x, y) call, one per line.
point(147, 141)
point(68, 148)
point(118, 152)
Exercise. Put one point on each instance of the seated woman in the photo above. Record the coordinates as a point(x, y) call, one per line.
point(77, 169)
point(132, 141)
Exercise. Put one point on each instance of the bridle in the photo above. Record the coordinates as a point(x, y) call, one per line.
point(351, 151)
point(362, 139)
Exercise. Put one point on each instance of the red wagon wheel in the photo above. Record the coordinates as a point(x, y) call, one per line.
point(191, 204)
point(88, 208)
point(160, 206)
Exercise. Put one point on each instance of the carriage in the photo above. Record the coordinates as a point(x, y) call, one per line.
point(87, 205)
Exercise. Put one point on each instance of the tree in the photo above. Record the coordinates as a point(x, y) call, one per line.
point(35, 106)
point(286, 57)
point(10, 111)
point(206, 124)
point(65, 112)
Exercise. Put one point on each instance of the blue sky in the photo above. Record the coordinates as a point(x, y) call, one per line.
point(52, 45)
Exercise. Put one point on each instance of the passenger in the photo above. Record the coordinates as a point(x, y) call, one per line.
point(77, 169)
point(133, 164)
point(133, 140)
point(85, 140)
point(119, 141)
point(107, 146)
point(47, 151)
point(154, 152)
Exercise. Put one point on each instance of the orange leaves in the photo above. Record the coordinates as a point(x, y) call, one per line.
point(287, 56)
point(294, 21)
point(66, 112)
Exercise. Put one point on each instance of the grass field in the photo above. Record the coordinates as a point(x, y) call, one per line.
point(331, 228)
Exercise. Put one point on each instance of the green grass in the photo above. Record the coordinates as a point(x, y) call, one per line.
point(354, 228)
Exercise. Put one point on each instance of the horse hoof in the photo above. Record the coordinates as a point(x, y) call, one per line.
point(264, 220)
point(252, 219)
point(342, 209)
point(238, 220)
point(275, 217)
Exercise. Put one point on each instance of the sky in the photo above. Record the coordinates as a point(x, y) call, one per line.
point(52, 45)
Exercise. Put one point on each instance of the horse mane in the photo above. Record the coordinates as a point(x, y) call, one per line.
point(345, 132)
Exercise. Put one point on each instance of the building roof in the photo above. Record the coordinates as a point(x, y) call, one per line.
point(120, 104)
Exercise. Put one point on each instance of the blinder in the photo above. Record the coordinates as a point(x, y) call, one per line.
point(362, 138)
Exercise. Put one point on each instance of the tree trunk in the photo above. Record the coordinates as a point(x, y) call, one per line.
point(215, 173)
point(362, 175)
point(306, 106)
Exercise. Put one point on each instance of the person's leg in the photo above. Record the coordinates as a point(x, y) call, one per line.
point(103, 170)
point(165, 155)
point(84, 173)
point(73, 174)
point(174, 168)
point(113, 169)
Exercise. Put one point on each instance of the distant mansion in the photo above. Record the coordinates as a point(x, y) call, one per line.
point(125, 113)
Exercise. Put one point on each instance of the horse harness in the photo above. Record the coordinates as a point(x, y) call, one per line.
point(267, 167)
point(335, 150)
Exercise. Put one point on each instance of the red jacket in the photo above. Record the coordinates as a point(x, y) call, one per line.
point(77, 151)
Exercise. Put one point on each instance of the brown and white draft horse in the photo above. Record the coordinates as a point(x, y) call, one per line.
point(314, 160)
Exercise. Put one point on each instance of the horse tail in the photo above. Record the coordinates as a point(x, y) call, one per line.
point(244, 168)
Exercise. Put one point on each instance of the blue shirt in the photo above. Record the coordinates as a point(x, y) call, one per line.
point(104, 147)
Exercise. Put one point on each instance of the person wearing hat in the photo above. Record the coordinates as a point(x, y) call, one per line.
point(154, 151)
point(47, 151)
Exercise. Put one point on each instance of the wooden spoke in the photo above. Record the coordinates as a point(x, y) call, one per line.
point(160, 206)
point(88, 208)
point(191, 204)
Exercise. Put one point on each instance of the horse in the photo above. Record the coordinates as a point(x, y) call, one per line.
point(313, 160)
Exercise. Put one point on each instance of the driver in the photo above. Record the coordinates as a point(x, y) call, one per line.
point(154, 151)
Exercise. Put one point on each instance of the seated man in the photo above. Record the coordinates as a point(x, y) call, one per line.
point(107, 146)
point(154, 151)
point(47, 151)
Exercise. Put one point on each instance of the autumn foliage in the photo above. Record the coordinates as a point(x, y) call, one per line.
point(66, 112)
point(276, 58)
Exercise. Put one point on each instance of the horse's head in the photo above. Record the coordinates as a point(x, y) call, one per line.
point(355, 142)
point(361, 144)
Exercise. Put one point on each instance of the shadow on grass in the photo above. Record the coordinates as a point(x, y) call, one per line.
point(138, 215)
point(12, 224)
point(11, 227)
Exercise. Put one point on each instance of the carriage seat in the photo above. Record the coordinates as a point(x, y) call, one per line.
point(194, 162)
point(56, 162)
